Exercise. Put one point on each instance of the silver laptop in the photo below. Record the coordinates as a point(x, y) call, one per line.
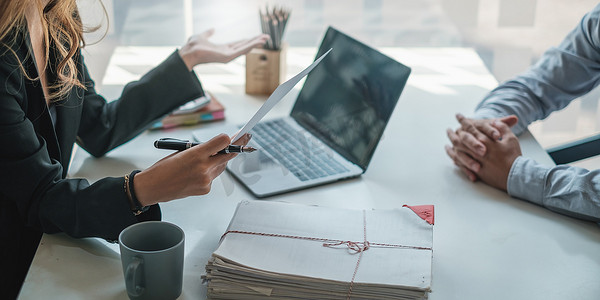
point(334, 127)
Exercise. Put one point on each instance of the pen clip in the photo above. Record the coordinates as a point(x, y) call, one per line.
point(173, 143)
point(173, 140)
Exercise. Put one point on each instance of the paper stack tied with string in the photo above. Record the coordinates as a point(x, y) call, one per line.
point(277, 250)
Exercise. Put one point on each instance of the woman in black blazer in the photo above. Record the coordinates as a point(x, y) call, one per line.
point(48, 103)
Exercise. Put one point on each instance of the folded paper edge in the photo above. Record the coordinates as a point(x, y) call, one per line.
point(425, 212)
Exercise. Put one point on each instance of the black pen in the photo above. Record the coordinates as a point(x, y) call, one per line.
point(180, 145)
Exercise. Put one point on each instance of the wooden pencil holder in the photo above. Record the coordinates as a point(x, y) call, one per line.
point(265, 70)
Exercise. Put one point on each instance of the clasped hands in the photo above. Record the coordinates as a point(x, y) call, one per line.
point(484, 149)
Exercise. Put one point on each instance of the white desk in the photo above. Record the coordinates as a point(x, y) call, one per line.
point(486, 245)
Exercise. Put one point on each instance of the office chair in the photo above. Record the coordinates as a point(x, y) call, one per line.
point(574, 151)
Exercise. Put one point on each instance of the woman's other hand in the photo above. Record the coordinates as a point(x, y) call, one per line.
point(199, 50)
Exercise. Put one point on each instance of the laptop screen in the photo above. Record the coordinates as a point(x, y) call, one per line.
point(348, 100)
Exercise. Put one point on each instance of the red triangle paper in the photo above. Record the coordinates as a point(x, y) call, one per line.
point(423, 211)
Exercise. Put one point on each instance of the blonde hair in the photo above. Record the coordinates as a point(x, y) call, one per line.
point(62, 28)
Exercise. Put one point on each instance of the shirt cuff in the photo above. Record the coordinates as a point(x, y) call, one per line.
point(526, 180)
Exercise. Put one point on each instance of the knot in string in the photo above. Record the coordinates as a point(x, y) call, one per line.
point(356, 247)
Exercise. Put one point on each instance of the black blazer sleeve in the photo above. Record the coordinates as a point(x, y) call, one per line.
point(31, 180)
point(107, 125)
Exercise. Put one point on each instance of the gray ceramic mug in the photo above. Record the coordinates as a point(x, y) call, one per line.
point(152, 258)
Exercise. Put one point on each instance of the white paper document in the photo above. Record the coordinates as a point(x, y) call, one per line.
point(282, 253)
point(280, 92)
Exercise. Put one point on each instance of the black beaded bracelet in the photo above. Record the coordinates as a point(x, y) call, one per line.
point(136, 206)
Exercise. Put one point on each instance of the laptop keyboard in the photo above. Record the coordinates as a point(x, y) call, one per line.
point(304, 158)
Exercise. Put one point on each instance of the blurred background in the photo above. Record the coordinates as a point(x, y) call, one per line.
point(508, 35)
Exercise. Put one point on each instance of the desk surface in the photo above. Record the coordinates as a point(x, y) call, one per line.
point(486, 244)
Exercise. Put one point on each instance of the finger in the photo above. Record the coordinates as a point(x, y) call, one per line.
point(208, 33)
point(472, 144)
point(215, 144)
point(452, 154)
point(242, 50)
point(235, 138)
point(502, 127)
point(261, 38)
point(469, 174)
point(238, 43)
point(453, 137)
point(248, 44)
point(478, 129)
point(475, 146)
point(245, 48)
point(219, 159)
point(510, 121)
point(243, 140)
point(492, 132)
point(467, 161)
point(461, 157)
point(470, 126)
point(241, 42)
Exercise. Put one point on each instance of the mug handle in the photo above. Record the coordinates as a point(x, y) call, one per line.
point(133, 276)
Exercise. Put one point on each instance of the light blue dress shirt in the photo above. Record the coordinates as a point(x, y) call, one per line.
point(561, 75)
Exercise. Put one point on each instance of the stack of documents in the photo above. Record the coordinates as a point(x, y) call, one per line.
point(276, 250)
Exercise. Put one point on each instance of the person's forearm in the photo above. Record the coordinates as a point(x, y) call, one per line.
point(148, 190)
point(151, 187)
point(188, 57)
point(105, 125)
point(561, 75)
point(511, 98)
point(565, 189)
